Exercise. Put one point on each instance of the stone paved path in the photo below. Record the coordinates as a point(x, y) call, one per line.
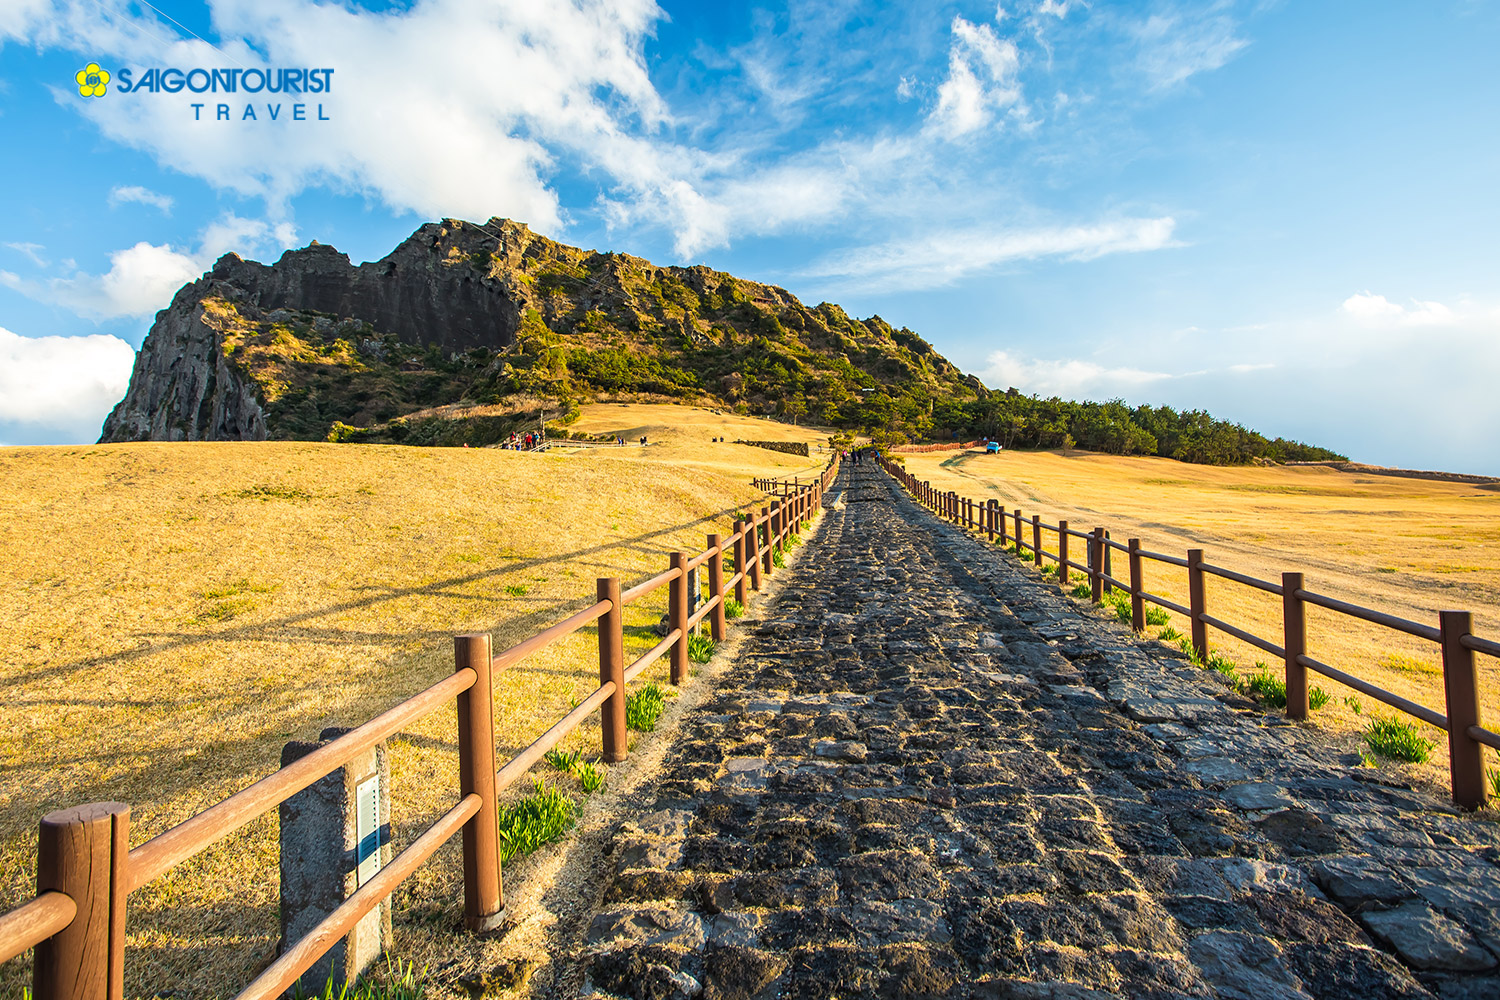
point(930, 774)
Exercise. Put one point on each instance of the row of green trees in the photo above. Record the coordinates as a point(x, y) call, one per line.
point(1020, 421)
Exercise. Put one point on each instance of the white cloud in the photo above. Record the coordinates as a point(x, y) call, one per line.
point(1376, 310)
point(734, 197)
point(143, 278)
point(1070, 378)
point(140, 280)
point(142, 196)
point(1057, 8)
point(19, 17)
point(1174, 46)
point(59, 388)
point(983, 79)
point(32, 250)
point(945, 257)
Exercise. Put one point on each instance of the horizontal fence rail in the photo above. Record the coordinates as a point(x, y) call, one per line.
point(1453, 634)
point(75, 925)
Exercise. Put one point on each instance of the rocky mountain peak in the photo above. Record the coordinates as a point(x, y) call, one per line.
point(463, 311)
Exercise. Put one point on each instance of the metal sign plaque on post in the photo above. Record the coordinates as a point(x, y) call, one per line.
point(335, 837)
point(367, 827)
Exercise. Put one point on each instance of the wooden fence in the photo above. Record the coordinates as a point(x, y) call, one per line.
point(923, 449)
point(86, 868)
point(1453, 633)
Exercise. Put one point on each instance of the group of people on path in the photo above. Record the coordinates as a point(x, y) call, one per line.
point(855, 456)
point(523, 442)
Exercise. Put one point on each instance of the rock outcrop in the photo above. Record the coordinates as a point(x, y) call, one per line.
point(183, 387)
point(314, 347)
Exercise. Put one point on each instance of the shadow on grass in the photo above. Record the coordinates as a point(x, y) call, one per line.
point(331, 635)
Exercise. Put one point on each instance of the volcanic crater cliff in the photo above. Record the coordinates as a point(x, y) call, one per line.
point(477, 313)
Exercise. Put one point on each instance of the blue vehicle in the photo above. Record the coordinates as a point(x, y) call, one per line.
point(992, 448)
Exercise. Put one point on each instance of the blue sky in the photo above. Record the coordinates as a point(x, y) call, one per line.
point(1282, 212)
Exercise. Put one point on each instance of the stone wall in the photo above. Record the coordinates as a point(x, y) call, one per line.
point(785, 447)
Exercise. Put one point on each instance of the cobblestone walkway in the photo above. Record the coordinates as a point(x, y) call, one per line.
point(930, 775)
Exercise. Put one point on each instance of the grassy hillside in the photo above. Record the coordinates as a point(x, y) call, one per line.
point(175, 613)
point(1410, 547)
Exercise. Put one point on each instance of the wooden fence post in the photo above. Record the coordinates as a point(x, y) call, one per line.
point(752, 554)
point(1108, 564)
point(677, 616)
point(1461, 684)
point(765, 553)
point(1000, 516)
point(84, 853)
point(1197, 603)
point(1036, 538)
point(1019, 553)
point(1294, 641)
point(1062, 554)
point(1096, 565)
point(484, 899)
point(716, 588)
point(616, 739)
point(778, 521)
point(1137, 603)
point(741, 529)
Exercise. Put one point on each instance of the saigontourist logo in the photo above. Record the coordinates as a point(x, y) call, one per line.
point(288, 84)
point(92, 81)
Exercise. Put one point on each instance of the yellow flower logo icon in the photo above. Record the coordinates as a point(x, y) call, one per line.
point(92, 81)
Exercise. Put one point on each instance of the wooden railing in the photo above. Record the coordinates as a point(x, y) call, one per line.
point(790, 485)
point(925, 449)
point(1453, 632)
point(86, 869)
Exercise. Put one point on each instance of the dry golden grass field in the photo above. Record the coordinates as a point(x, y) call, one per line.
point(1409, 547)
point(172, 614)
